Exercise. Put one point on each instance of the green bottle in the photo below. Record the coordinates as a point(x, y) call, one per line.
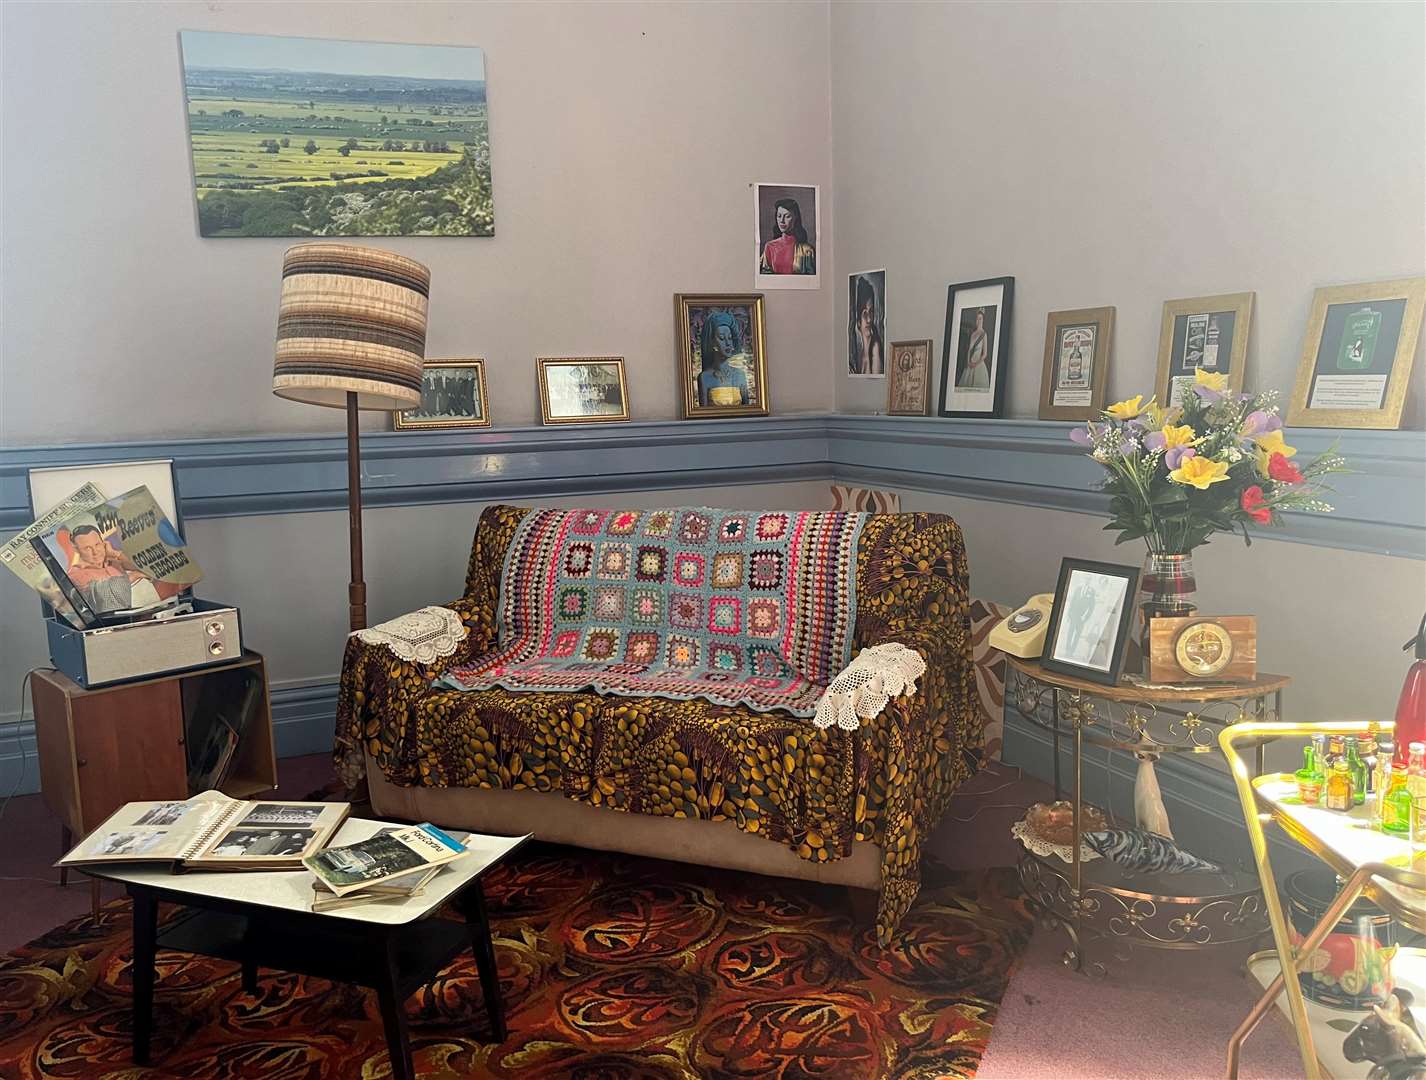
point(1396, 810)
point(1309, 778)
point(1358, 769)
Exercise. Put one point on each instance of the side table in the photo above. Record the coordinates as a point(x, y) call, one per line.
point(1084, 897)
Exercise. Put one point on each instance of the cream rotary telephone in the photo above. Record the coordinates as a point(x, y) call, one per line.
point(1022, 632)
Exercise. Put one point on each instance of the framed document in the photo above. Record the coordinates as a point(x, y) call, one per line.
point(1208, 332)
point(1357, 355)
point(1077, 347)
point(909, 381)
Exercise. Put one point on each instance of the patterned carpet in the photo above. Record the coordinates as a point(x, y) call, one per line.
point(611, 966)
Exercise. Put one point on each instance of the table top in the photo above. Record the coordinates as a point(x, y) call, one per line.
point(291, 890)
point(1127, 691)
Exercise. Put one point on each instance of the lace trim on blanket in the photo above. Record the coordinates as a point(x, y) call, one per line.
point(864, 686)
point(423, 636)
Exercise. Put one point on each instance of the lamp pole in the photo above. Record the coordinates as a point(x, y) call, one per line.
point(356, 590)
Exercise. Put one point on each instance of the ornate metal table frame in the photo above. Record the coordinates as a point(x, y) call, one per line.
point(1136, 719)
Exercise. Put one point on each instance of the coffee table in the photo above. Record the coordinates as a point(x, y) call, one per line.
point(264, 919)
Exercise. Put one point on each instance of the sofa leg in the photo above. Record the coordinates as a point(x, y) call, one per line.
point(862, 905)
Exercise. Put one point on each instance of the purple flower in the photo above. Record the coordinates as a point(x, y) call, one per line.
point(1258, 423)
point(1210, 396)
point(1154, 441)
point(1079, 436)
point(1175, 457)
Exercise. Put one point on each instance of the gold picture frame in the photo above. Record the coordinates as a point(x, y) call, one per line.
point(1359, 369)
point(424, 419)
point(1067, 390)
point(1193, 335)
point(584, 396)
point(910, 361)
point(745, 371)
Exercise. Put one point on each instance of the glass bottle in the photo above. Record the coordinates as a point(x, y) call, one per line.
point(1411, 707)
point(1368, 747)
point(1358, 768)
point(1396, 805)
point(1339, 786)
point(1416, 770)
point(1382, 773)
point(1309, 778)
point(1336, 749)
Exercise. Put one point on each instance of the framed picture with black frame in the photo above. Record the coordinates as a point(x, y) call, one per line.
point(1089, 626)
point(976, 349)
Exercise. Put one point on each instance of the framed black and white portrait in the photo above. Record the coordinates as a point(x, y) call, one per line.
point(452, 396)
point(1089, 625)
point(976, 351)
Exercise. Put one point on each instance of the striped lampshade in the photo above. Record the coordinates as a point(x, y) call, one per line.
point(351, 320)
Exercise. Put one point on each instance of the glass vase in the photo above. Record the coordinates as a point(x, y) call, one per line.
point(1167, 588)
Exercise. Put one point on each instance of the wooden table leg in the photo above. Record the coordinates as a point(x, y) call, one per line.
point(472, 905)
point(145, 949)
point(66, 841)
point(393, 1017)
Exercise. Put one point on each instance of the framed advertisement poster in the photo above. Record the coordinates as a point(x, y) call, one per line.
point(1357, 355)
point(1077, 349)
point(908, 390)
point(1208, 332)
point(976, 349)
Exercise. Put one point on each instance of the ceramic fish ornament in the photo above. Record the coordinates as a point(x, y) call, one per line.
point(1145, 853)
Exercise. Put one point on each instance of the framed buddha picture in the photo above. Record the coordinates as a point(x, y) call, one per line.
point(722, 362)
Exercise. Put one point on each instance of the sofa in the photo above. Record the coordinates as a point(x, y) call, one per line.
point(696, 780)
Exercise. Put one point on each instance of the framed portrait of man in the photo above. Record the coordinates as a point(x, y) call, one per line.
point(582, 389)
point(976, 351)
point(1090, 620)
point(452, 396)
point(1207, 332)
point(1077, 350)
point(787, 230)
point(722, 362)
point(908, 391)
point(1357, 355)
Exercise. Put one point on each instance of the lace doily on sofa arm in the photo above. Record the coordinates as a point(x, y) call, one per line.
point(423, 636)
point(864, 686)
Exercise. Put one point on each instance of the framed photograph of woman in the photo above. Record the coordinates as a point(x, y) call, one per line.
point(908, 390)
point(866, 324)
point(582, 389)
point(976, 350)
point(787, 229)
point(1208, 332)
point(452, 396)
point(1077, 349)
point(722, 365)
point(1357, 355)
point(1089, 624)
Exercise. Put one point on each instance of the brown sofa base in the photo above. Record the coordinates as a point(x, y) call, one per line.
point(551, 816)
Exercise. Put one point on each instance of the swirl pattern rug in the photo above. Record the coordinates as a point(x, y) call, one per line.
point(610, 966)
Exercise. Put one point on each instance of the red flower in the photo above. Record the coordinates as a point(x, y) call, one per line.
point(1283, 471)
point(1253, 504)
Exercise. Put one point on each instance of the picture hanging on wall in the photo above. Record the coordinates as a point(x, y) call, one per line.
point(1208, 333)
point(582, 389)
point(722, 365)
point(1077, 348)
point(1357, 355)
point(787, 229)
point(452, 396)
point(909, 379)
point(976, 352)
point(308, 137)
point(866, 324)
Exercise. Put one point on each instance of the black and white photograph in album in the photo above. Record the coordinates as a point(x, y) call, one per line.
point(250, 843)
point(296, 817)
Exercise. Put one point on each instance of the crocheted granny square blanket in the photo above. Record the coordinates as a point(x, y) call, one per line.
point(736, 607)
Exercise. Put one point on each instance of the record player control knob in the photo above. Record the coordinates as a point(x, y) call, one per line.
point(214, 628)
point(215, 648)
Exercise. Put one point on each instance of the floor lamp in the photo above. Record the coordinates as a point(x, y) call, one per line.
point(351, 334)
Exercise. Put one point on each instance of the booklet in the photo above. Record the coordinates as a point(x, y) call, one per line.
point(401, 888)
point(381, 858)
point(212, 832)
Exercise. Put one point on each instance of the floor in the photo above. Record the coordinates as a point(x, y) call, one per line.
point(1164, 1015)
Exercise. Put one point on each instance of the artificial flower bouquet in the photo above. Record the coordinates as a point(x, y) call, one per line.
point(1213, 464)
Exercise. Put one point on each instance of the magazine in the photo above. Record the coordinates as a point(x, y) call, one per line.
point(122, 555)
point(212, 832)
point(401, 888)
point(25, 562)
point(384, 857)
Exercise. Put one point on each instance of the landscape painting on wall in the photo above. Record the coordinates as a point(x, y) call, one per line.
point(305, 137)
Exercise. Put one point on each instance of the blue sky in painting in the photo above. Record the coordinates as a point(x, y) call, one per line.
point(259, 51)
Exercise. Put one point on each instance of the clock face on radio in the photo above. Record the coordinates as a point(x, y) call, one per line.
point(1203, 648)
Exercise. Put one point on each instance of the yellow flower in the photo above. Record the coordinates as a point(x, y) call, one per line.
point(1129, 407)
point(1270, 444)
point(1178, 436)
point(1160, 417)
point(1214, 380)
point(1200, 472)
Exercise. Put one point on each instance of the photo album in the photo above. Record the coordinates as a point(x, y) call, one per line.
point(212, 832)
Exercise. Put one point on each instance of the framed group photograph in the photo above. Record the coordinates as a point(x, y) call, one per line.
point(582, 389)
point(1208, 332)
point(452, 396)
point(1357, 355)
point(788, 228)
point(722, 362)
point(1077, 350)
point(1090, 622)
point(976, 351)
point(908, 391)
point(866, 324)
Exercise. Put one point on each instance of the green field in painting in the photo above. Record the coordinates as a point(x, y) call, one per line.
point(241, 156)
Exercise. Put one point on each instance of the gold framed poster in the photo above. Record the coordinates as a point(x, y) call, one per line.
point(452, 396)
point(1078, 344)
point(1208, 332)
point(908, 390)
point(582, 389)
point(722, 362)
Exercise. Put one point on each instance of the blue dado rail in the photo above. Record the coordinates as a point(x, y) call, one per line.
point(1380, 508)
